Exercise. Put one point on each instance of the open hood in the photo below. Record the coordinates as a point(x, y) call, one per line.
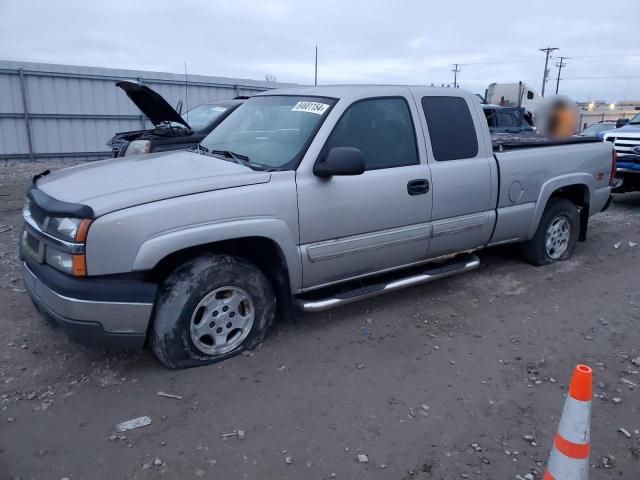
point(151, 103)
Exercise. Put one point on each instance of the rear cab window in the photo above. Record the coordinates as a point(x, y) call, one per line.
point(451, 129)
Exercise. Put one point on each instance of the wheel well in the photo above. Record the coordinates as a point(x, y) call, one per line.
point(577, 194)
point(263, 252)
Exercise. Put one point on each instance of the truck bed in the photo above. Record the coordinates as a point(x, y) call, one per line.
point(504, 142)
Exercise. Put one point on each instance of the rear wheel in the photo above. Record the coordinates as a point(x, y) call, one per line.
point(557, 234)
point(209, 309)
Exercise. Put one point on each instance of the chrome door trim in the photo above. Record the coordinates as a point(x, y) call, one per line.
point(459, 224)
point(365, 242)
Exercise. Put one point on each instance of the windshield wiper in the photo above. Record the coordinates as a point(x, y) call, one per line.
point(234, 157)
point(239, 159)
point(230, 154)
point(198, 148)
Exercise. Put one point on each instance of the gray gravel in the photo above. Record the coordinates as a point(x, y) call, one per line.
point(462, 378)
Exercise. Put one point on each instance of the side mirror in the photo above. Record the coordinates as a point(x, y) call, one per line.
point(340, 161)
point(621, 122)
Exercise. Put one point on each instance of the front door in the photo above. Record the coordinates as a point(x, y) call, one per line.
point(351, 226)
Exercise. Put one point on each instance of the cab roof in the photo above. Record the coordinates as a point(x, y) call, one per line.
point(341, 91)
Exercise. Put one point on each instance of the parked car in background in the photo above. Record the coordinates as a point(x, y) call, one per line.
point(598, 129)
point(626, 141)
point(171, 131)
point(309, 197)
point(507, 119)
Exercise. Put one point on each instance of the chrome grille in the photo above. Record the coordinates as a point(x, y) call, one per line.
point(624, 144)
point(37, 214)
point(31, 247)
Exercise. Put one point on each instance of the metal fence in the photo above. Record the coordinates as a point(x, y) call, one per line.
point(59, 111)
point(589, 118)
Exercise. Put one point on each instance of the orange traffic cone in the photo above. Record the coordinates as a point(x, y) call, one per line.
point(570, 454)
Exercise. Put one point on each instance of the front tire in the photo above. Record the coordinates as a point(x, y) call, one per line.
point(211, 308)
point(556, 236)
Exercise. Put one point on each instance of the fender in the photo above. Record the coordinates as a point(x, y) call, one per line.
point(551, 186)
point(159, 246)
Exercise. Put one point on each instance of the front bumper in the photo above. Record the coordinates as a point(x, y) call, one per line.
point(629, 174)
point(111, 313)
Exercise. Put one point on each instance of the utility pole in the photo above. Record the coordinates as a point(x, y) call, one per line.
point(559, 65)
point(315, 82)
point(548, 51)
point(456, 71)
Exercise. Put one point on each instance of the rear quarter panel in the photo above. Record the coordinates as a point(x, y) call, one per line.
point(528, 178)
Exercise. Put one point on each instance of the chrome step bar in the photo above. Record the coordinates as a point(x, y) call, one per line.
point(454, 267)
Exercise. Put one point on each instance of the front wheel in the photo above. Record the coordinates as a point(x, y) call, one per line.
point(556, 236)
point(209, 309)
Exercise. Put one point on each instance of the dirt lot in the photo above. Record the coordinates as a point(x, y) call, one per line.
point(488, 354)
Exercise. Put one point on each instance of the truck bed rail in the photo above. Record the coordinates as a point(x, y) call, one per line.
point(514, 142)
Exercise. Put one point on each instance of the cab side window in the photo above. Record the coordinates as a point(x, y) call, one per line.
point(382, 129)
point(451, 128)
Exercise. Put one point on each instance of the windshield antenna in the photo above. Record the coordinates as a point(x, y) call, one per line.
point(186, 90)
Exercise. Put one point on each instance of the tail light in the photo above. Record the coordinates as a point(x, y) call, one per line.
point(614, 166)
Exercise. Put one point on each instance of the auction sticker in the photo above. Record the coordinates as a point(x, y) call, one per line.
point(310, 107)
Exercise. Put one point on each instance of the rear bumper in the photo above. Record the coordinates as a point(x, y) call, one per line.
point(111, 313)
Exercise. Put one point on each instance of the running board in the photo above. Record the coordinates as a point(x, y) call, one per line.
point(453, 267)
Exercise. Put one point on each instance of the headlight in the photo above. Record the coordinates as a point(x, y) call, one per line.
point(65, 228)
point(60, 260)
point(73, 231)
point(66, 262)
point(138, 147)
point(68, 229)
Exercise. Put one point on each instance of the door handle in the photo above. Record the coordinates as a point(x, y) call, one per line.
point(419, 186)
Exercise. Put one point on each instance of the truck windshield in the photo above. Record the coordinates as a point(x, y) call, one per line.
point(271, 131)
point(635, 120)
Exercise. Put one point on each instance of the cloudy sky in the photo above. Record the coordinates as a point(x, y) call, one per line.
point(370, 41)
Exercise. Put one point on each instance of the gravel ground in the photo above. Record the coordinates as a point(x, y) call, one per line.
point(442, 381)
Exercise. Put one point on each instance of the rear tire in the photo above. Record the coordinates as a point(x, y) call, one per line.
point(211, 308)
point(556, 236)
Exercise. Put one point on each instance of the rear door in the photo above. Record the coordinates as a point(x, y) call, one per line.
point(351, 226)
point(463, 171)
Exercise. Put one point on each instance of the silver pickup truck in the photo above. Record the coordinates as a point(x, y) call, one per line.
point(304, 198)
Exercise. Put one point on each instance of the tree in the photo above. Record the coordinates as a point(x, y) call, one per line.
point(270, 78)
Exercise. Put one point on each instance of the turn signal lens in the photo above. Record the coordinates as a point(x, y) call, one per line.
point(79, 266)
point(83, 230)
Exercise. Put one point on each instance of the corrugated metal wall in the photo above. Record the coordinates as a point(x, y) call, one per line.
point(59, 111)
point(589, 118)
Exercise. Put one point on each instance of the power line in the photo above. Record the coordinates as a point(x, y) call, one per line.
point(607, 56)
point(535, 60)
point(547, 51)
point(601, 77)
point(456, 71)
point(560, 64)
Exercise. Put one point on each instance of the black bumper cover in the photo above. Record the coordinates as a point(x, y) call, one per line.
point(102, 289)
